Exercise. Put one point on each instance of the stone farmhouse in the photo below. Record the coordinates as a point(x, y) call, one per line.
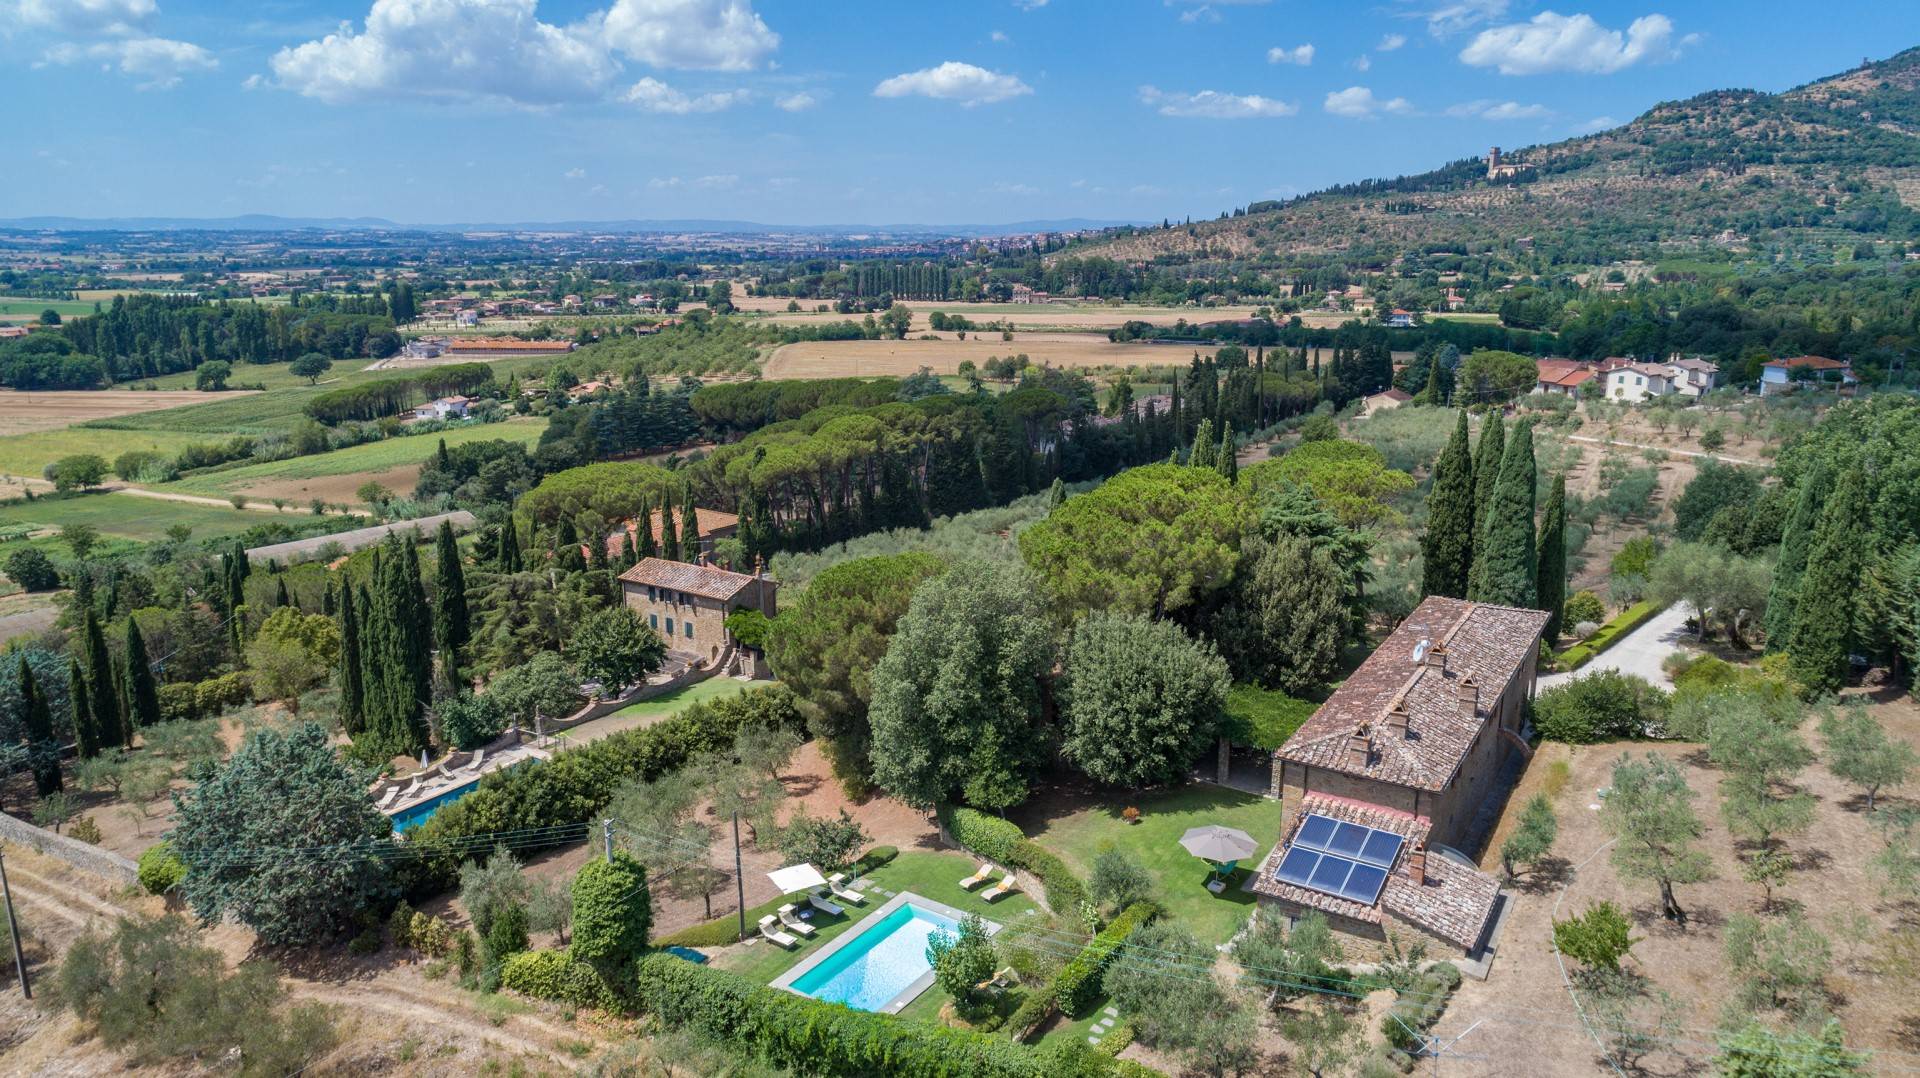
point(688, 603)
point(1407, 764)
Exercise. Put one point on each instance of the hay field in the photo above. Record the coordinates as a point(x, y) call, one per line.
point(1064, 316)
point(840, 359)
point(392, 462)
point(24, 412)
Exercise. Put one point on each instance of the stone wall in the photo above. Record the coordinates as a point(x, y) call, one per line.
point(81, 855)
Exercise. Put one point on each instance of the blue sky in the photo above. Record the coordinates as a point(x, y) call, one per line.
point(852, 111)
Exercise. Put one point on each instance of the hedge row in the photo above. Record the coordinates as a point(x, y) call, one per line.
point(553, 975)
point(810, 1037)
point(577, 783)
point(998, 840)
point(1608, 635)
point(389, 396)
point(199, 699)
point(725, 930)
point(1077, 988)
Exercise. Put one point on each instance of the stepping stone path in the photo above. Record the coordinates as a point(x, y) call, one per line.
point(1104, 1026)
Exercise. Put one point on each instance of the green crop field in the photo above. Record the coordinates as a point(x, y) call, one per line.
point(129, 516)
point(372, 457)
point(16, 309)
point(273, 376)
point(29, 454)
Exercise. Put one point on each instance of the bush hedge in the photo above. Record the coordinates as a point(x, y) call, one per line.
point(810, 1037)
point(1420, 1006)
point(555, 976)
point(1609, 634)
point(1077, 987)
point(577, 783)
point(199, 699)
point(160, 869)
point(1605, 705)
point(998, 840)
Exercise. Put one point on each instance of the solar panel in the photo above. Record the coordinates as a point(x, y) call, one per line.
point(1339, 858)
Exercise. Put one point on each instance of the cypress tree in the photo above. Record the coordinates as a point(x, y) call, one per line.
point(1225, 460)
point(143, 694)
point(329, 602)
point(1201, 456)
point(400, 675)
point(280, 596)
point(597, 556)
point(629, 554)
point(1823, 620)
point(669, 532)
point(105, 703)
point(689, 527)
point(44, 752)
point(1550, 591)
point(453, 625)
point(86, 739)
point(353, 701)
point(1448, 543)
point(1795, 538)
point(510, 559)
point(1431, 394)
point(1486, 465)
point(647, 547)
point(1505, 566)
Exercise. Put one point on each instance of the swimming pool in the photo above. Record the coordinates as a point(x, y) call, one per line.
point(881, 965)
point(414, 815)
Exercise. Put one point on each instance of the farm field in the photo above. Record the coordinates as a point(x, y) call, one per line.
point(29, 454)
point(839, 359)
point(23, 412)
point(129, 516)
point(18, 309)
point(1063, 316)
point(393, 463)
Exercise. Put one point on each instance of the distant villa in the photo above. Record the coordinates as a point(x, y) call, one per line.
point(1498, 169)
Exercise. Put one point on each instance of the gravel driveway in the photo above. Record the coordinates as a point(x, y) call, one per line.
point(1640, 652)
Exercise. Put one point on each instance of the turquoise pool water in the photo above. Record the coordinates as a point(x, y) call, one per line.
point(414, 815)
point(883, 962)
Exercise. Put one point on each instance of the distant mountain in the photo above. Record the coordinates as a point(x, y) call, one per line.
point(1834, 158)
point(258, 222)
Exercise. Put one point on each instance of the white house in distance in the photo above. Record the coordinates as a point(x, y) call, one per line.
point(444, 408)
point(1635, 382)
point(1777, 376)
point(1693, 377)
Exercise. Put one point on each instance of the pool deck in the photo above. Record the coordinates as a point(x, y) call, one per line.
point(861, 928)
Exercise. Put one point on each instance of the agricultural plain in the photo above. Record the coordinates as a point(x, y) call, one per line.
point(392, 462)
point(840, 359)
point(24, 412)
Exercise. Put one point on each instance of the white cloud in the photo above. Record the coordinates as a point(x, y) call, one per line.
point(1299, 54)
point(1214, 105)
point(1363, 62)
point(1358, 102)
point(1391, 42)
point(450, 50)
point(998, 37)
point(798, 102)
point(652, 95)
point(1029, 5)
point(1554, 42)
point(576, 174)
point(499, 51)
point(1452, 16)
point(663, 183)
point(1598, 123)
point(720, 182)
point(83, 18)
point(157, 62)
point(716, 35)
point(1487, 109)
point(954, 81)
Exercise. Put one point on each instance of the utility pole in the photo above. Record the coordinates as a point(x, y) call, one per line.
point(739, 877)
point(13, 930)
point(606, 836)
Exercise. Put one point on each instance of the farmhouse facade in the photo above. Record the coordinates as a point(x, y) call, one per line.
point(688, 603)
point(1408, 760)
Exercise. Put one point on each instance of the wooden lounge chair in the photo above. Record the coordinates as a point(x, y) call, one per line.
point(474, 764)
point(981, 876)
point(770, 929)
point(820, 902)
point(790, 916)
point(1004, 887)
point(837, 883)
point(387, 798)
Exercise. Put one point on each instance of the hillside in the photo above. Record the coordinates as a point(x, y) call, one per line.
point(1835, 160)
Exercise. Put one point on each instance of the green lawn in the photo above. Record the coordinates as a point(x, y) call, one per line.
point(680, 699)
point(127, 516)
point(934, 876)
point(18, 309)
point(369, 457)
point(1155, 842)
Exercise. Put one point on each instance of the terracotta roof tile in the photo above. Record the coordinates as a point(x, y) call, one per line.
point(1452, 901)
point(708, 521)
point(1483, 642)
point(682, 576)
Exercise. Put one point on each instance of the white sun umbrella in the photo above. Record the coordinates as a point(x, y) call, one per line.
point(797, 878)
point(1216, 843)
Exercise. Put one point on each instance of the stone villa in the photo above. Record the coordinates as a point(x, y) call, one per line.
point(688, 604)
point(1412, 757)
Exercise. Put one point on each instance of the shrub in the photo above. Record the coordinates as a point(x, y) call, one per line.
point(32, 570)
point(1078, 985)
point(1623, 623)
point(199, 699)
point(85, 830)
point(1598, 938)
point(554, 975)
point(1585, 606)
point(998, 840)
point(160, 871)
point(612, 912)
point(1605, 705)
point(1419, 1006)
point(811, 1037)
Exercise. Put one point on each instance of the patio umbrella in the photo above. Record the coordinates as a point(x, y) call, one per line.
point(797, 878)
point(1216, 843)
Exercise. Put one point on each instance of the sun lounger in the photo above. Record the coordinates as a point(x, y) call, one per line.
point(984, 874)
point(387, 798)
point(474, 764)
point(1005, 886)
point(820, 902)
point(837, 883)
point(790, 916)
point(770, 929)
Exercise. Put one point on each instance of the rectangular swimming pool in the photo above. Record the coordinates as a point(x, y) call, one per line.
point(881, 965)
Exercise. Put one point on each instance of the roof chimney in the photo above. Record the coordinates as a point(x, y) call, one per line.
point(1360, 746)
point(1417, 863)
point(1469, 694)
point(1437, 657)
point(1397, 717)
